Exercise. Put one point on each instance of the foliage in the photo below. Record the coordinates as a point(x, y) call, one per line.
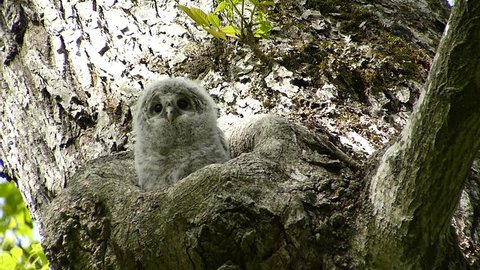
point(236, 19)
point(18, 249)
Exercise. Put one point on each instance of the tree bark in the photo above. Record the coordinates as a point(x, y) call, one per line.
point(290, 198)
point(418, 183)
point(267, 208)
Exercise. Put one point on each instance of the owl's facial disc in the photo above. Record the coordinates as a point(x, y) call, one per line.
point(170, 106)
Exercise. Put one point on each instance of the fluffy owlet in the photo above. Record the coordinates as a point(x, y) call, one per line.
point(177, 133)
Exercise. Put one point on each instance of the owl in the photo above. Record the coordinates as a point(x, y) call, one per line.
point(176, 133)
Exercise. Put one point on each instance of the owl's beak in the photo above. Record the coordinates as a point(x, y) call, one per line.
point(171, 115)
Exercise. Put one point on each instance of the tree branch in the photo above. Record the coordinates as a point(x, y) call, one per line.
point(259, 209)
point(419, 180)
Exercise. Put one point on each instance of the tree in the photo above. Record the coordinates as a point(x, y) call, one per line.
point(444, 126)
point(290, 198)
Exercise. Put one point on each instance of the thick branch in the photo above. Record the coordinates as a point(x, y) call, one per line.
point(275, 207)
point(419, 180)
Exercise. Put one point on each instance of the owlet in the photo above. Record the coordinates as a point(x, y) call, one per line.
point(177, 133)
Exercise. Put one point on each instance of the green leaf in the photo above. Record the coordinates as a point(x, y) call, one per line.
point(186, 10)
point(231, 31)
point(196, 14)
point(214, 32)
point(199, 16)
point(7, 261)
point(16, 253)
point(213, 20)
point(260, 16)
point(5, 189)
point(264, 28)
point(37, 256)
point(222, 6)
point(37, 248)
point(267, 3)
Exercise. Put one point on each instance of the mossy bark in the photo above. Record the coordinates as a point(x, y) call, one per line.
point(420, 178)
point(285, 202)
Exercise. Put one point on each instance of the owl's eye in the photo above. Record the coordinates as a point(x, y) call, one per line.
point(182, 103)
point(158, 108)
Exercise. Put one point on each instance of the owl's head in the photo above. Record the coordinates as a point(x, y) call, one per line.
point(174, 102)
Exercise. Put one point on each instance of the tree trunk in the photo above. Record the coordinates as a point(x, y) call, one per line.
point(290, 198)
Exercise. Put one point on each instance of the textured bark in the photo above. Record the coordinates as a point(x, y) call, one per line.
point(290, 198)
point(420, 178)
point(270, 207)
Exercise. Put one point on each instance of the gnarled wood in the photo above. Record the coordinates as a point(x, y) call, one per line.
point(287, 202)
